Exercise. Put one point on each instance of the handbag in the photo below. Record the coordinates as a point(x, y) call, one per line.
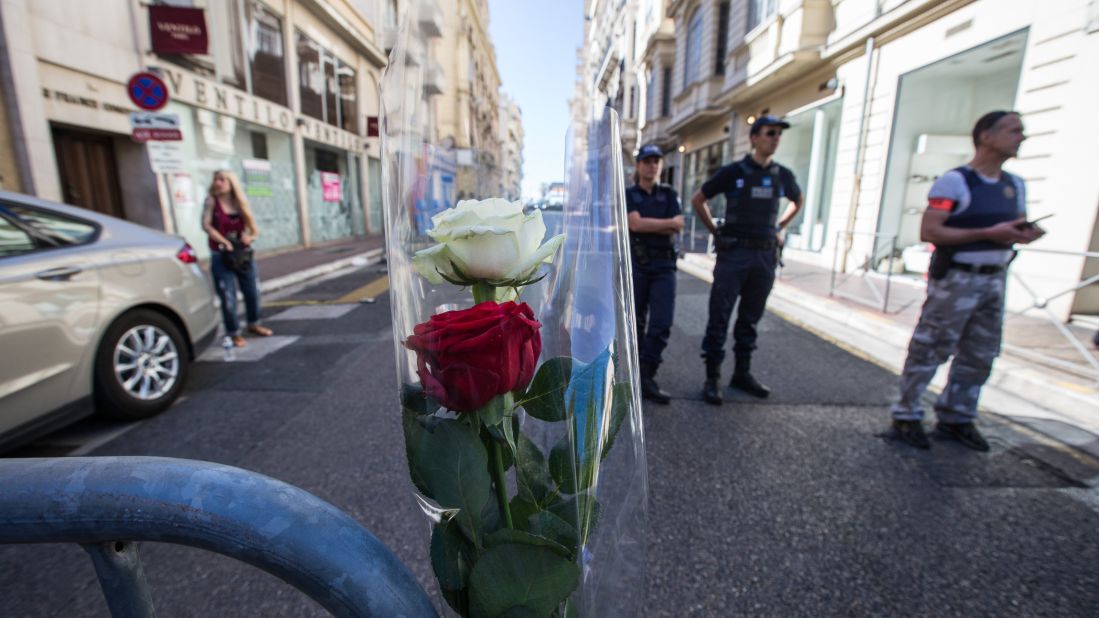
point(239, 258)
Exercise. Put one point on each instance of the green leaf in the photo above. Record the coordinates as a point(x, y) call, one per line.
point(516, 576)
point(413, 439)
point(562, 466)
point(452, 462)
point(582, 513)
point(493, 412)
point(551, 526)
point(545, 398)
point(531, 473)
point(621, 399)
point(521, 511)
point(452, 558)
point(413, 398)
point(506, 536)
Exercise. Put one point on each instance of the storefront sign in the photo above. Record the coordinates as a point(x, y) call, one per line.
point(183, 191)
point(257, 178)
point(155, 127)
point(177, 30)
point(194, 90)
point(166, 157)
point(330, 186)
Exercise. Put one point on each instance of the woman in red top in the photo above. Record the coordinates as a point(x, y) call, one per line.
point(226, 218)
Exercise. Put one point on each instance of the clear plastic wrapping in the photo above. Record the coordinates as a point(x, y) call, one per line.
point(516, 355)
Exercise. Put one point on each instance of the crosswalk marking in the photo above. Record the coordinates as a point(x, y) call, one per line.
point(370, 290)
point(313, 312)
point(256, 350)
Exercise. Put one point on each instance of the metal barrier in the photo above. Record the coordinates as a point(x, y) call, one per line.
point(865, 271)
point(1042, 302)
point(106, 504)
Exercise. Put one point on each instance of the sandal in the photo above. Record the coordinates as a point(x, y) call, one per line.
point(262, 331)
point(239, 341)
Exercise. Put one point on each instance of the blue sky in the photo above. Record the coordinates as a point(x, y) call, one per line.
point(536, 45)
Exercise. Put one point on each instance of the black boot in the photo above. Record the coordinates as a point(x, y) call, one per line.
point(745, 381)
point(649, 388)
point(711, 391)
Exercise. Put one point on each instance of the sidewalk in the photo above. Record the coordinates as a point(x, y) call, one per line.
point(1059, 402)
point(285, 268)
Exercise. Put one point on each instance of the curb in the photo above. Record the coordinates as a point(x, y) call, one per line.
point(361, 259)
point(1015, 391)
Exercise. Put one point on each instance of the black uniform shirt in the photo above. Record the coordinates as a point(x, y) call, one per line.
point(731, 180)
point(662, 203)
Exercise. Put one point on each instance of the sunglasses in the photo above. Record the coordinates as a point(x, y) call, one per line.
point(773, 132)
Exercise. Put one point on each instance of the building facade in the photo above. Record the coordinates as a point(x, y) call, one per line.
point(467, 112)
point(511, 143)
point(881, 96)
point(286, 96)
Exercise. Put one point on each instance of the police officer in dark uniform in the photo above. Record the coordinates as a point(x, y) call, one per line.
point(654, 218)
point(747, 252)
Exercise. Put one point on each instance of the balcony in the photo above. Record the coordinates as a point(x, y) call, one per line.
point(697, 104)
point(431, 19)
point(781, 46)
point(434, 79)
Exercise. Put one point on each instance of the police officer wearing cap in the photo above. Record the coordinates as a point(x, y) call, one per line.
point(654, 218)
point(747, 252)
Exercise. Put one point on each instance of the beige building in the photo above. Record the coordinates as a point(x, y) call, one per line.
point(467, 113)
point(287, 96)
point(511, 144)
point(881, 96)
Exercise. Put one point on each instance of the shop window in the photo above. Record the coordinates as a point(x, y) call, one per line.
point(759, 10)
point(809, 150)
point(650, 97)
point(722, 37)
point(327, 161)
point(249, 58)
point(693, 57)
point(328, 91)
point(259, 145)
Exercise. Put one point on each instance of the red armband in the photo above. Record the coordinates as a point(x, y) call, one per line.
point(940, 203)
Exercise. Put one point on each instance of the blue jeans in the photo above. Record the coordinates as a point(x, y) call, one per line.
point(747, 274)
point(225, 283)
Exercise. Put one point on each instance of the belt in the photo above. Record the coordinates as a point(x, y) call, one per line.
point(980, 269)
point(661, 254)
point(731, 242)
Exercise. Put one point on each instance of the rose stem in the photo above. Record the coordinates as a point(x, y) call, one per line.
point(483, 292)
point(501, 482)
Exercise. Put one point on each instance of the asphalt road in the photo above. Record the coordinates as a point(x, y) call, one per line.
point(796, 506)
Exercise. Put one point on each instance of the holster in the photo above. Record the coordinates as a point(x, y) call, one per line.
point(639, 252)
point(940, 262)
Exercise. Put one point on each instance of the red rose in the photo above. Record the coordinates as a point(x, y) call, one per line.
point(467, 357)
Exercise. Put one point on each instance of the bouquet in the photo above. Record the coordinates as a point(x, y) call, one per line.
point(516, 358)
point(500, 548)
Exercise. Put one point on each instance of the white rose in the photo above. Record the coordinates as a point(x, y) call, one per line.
point(488, 240)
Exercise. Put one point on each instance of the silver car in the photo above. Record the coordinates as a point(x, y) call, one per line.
point(92, 307)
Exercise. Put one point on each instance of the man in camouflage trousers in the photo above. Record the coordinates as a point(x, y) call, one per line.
point(975, 214)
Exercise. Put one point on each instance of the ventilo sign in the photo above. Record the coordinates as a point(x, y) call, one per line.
point(177, 30)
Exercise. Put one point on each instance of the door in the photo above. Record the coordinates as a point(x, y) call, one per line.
point(89, 176)
point(49, 304)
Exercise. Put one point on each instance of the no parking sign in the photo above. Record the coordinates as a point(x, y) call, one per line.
point(147, 91)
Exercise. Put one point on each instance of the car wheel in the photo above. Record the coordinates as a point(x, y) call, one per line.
point(140, 366)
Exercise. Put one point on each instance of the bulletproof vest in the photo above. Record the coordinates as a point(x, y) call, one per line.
point(989, 204)
point(657, 201)
point(751, 207)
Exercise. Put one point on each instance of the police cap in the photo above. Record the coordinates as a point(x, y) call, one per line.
point(650, 150)
point(767, 120)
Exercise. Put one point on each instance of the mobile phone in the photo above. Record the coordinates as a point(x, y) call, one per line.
point(1034, 222)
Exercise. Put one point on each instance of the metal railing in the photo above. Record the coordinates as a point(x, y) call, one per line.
point(1040, 302)
point(108, 504)
point(883, 249)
